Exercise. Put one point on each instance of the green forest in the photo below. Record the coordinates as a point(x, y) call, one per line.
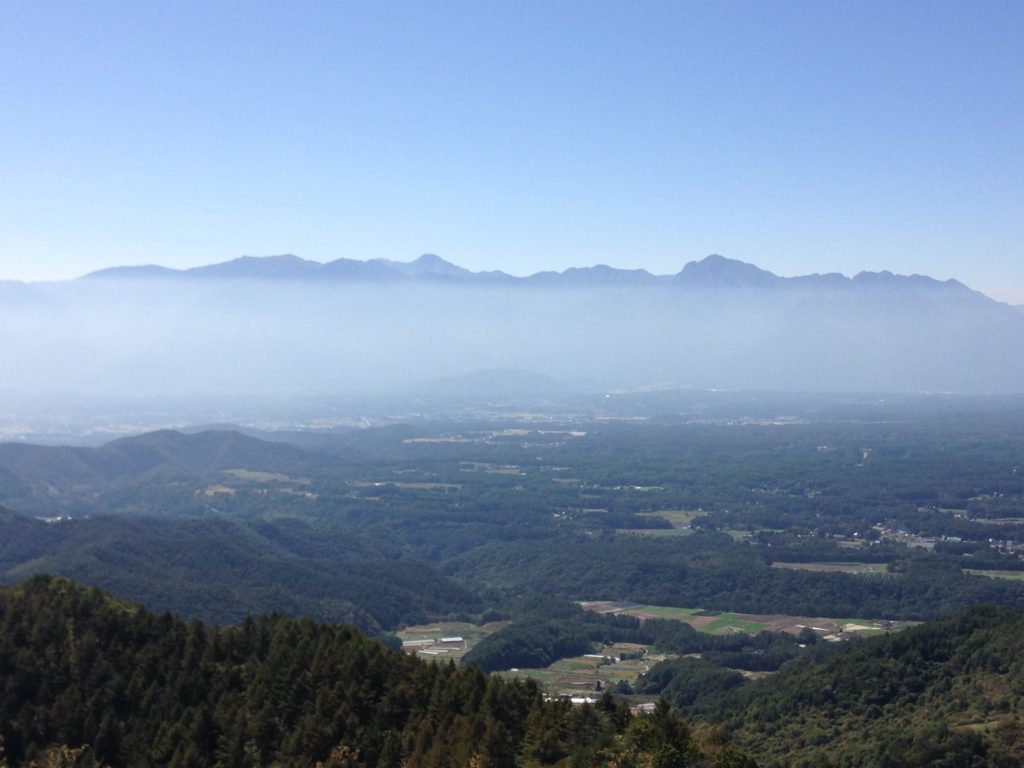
point(112, 684)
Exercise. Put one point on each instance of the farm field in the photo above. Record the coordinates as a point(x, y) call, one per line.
point(657, 532)
point(678, 518)
point(427, 640)
point(858, 568)
point(726, 622)
point(589, 675)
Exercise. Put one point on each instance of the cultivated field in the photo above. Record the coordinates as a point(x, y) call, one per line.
point(659, 532)
point(858, 568)
point(428, 640)
point(679, 519)
point(589, 675)
point(726, 622)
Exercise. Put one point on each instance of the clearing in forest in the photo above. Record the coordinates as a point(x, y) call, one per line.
point(727, 622)
point(589, 675)
point(857, 568)
point(445, 639)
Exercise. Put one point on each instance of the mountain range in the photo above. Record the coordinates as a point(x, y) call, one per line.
point(285, 326)
point(714, 271)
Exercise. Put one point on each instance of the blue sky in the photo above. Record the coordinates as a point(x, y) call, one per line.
point(800, 136)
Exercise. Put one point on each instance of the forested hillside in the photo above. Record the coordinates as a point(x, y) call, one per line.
point(107, 681)
point(81, 669)
point(947, 693)
point(222, 570)
point(54, 478)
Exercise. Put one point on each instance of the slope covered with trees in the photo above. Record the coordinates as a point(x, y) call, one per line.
point(82, 670)
point(222, 570)
point(946, 693)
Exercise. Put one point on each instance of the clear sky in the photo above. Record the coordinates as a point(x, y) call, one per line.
point(800, 136)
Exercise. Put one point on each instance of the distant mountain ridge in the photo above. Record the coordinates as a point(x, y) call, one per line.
point(287, 325)
point(713, 271)
point(291, 267)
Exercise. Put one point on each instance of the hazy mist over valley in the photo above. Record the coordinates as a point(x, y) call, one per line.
point(270, 327)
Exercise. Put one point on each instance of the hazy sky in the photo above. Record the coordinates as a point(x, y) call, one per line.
point(801, 136)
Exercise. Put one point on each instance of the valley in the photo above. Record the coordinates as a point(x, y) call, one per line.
point(714, 559)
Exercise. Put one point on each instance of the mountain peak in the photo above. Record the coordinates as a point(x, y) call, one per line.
point(433, 264)
point(283, 266)
point(427, 265)
point(143, 271)
point(718, 271)
point(886, 280)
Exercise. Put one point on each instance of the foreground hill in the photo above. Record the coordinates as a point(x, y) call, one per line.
point(112, 682)
point(85, 672)
point(946, 693)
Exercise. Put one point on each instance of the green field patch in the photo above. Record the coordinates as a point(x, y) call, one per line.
point(657, 532)
point(866, 569)
point(730, 623)
point(678, 518)
point(868, 632)
point(1010, 575)
point(727, 622)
